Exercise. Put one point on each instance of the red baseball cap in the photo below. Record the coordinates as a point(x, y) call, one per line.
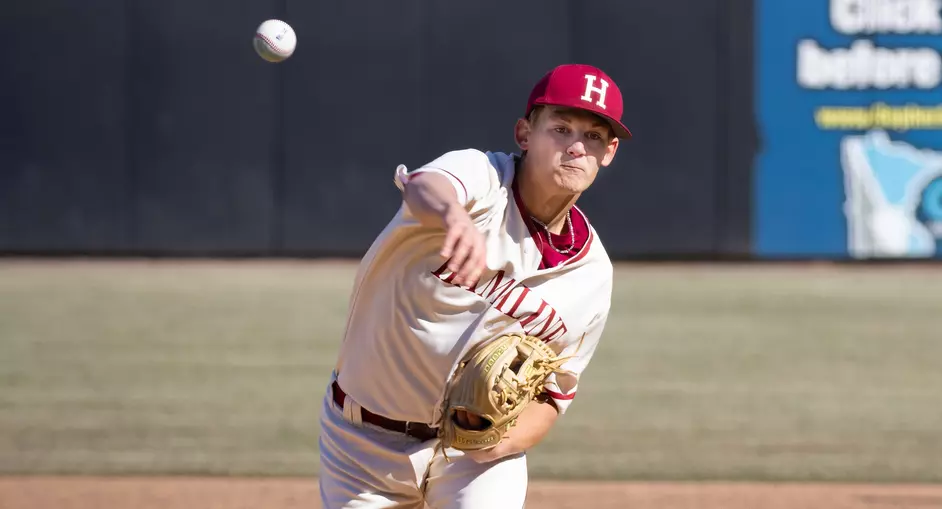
point(583, 87)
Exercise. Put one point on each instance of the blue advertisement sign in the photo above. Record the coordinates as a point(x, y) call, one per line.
point(849, 104)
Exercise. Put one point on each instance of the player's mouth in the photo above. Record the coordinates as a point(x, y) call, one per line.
point(571, 167)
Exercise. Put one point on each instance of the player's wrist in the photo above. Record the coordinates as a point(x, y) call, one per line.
point(454, 213)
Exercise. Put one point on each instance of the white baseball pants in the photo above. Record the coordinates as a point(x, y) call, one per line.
point(367, 467)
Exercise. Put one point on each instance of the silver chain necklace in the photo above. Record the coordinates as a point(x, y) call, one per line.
point(549, 237)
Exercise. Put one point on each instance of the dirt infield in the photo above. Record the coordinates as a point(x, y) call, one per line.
point(237, 493)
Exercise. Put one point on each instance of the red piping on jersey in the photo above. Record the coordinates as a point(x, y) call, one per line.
point(561, 397)
point(465, 189)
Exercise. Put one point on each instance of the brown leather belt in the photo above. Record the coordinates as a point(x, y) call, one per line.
point(413, 429)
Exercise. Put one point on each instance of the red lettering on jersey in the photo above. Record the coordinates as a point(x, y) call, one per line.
point(557, 332)
point(546, 323)
point(539, 320)
point(441, 272)
point(495, 286)
point(526, 321)
point(510, 312)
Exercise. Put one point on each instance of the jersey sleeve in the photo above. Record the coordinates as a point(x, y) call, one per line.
point(562, 386)
point(469, 171)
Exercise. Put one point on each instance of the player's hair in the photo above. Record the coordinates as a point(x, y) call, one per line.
point(535, 114)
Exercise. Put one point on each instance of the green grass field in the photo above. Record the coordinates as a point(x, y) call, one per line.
point(704, 372)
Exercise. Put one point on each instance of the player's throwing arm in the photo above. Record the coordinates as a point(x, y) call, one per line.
point(433, 201)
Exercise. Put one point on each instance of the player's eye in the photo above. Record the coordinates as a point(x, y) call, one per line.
point(561, 130)
point(594, 136)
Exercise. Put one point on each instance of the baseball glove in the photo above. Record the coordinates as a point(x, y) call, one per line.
point(495, 383)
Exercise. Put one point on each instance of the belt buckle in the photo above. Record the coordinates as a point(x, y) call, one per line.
point(408, 430)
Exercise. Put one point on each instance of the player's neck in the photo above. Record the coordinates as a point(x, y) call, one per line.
point(550, 210)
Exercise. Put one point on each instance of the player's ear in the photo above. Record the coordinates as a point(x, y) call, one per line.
point(610, 152)
point(522, 133)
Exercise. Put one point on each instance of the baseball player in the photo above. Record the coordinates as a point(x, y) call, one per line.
point(484, 243)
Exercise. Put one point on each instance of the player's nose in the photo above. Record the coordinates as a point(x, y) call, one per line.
point(577, 149)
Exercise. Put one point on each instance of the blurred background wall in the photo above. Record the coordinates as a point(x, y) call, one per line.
point(153, 128)
point(133, 127)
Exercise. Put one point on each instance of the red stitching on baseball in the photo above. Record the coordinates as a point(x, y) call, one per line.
point(271, 45)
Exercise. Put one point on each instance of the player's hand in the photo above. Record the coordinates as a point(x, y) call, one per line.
point(463, 247)
point(469, 421)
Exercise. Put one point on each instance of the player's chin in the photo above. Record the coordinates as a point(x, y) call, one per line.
point(573, 182)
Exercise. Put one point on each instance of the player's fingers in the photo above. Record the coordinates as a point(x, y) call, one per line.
point(474, 276)
point(451, 237)
point(462, 417)
point(477, 262)
point(461, 251)
point(469, 421)
point(475, 422)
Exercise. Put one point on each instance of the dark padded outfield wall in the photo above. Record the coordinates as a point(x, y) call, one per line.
point(204, 116)
point(63, 127)
point(155, 129)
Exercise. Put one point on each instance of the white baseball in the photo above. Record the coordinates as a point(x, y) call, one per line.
point(275, 40)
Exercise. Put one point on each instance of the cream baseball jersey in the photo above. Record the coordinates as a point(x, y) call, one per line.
point(408, 325)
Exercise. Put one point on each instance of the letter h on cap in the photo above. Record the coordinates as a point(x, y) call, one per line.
point(590, 87)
